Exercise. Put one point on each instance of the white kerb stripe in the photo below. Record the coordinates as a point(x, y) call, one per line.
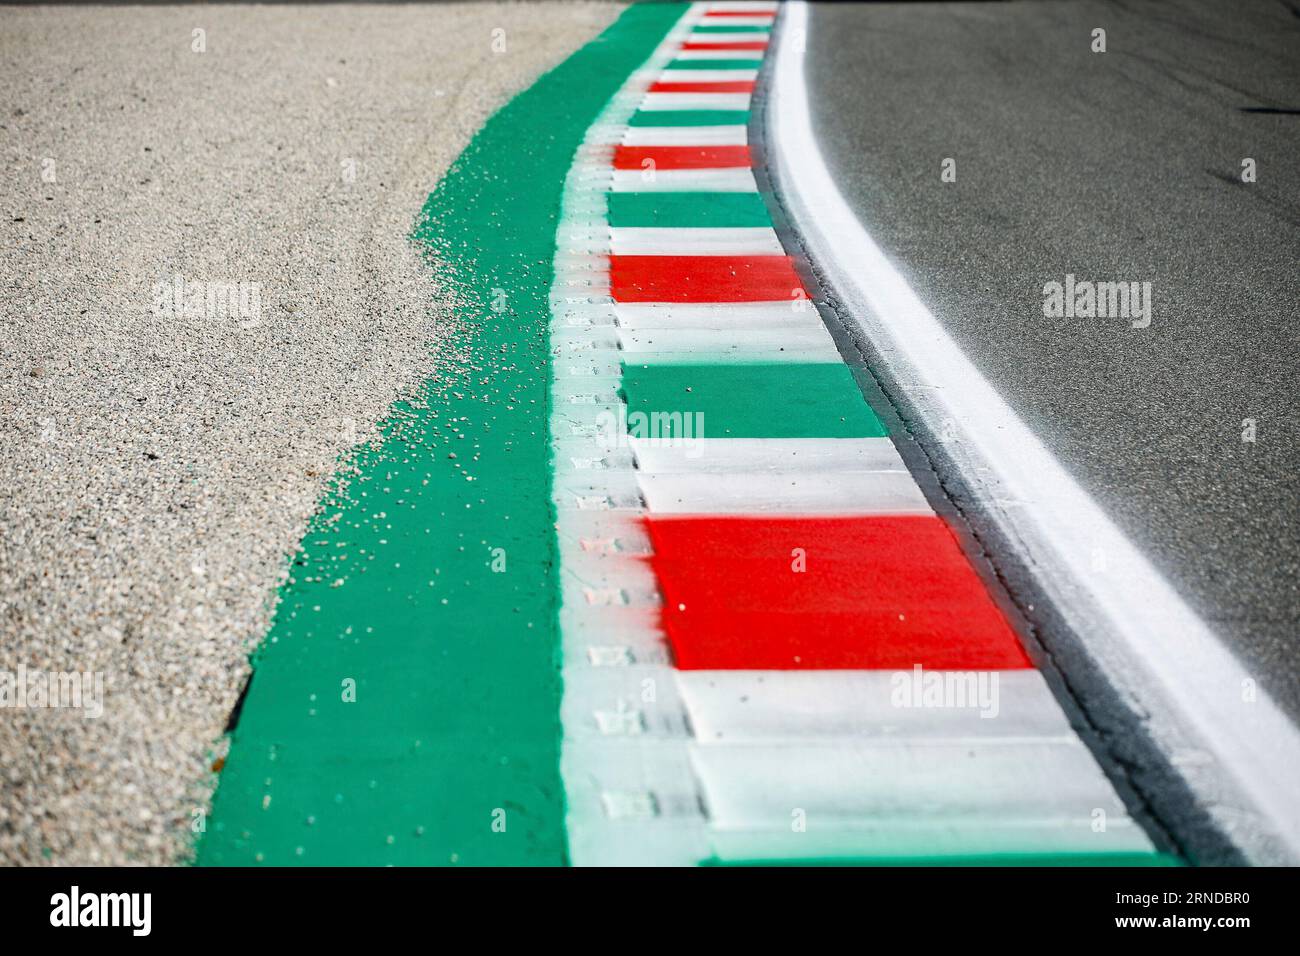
point(712, 344)
point(946, 780)
point(705, 241)
point(628, 803)
point(734, 180)
point(736, 135)
point(769, 454)
point(657, 102)
point(715, 315)
point(745, 356)
point(759, 706)
point(600, 702)
point(843, 493)
point(709, 21)
point(720, 54)
point(905, 839)
point(624, 804)
point(787, 321)
point(706, 76)
point(730, 38)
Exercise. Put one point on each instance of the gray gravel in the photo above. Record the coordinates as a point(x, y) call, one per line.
point(158, 469)
point(1123, 165)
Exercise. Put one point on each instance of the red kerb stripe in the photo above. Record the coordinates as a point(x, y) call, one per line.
point(703, 279)
point(876, 593)
point(681, 157)
point(743, 45)
point(704, 86)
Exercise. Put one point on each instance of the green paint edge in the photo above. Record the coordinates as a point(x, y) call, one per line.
point(455, 724)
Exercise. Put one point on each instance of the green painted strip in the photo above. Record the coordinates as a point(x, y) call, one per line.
point(685, 210)
point(750, 28)
point(690, 118)
point(714, 65)
point(755, 401)
point(456, 712)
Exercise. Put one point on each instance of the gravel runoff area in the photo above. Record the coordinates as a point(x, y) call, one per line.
point(206, 298)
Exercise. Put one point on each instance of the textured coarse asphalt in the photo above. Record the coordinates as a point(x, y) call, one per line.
point(158, 467)
point(1122, 165)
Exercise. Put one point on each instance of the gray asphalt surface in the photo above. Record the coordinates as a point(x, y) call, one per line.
point(1123, 165)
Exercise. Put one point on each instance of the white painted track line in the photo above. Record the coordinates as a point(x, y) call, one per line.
point(1241, 757)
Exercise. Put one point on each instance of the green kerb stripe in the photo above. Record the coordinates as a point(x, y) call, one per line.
point(405, 703)
point(756, 401)
point(690, 118)
point(749, 28)
point(720, 29)
point(686, 210)
point(714, 65)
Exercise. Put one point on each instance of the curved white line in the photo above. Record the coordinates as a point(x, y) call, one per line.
point(1240, 757)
